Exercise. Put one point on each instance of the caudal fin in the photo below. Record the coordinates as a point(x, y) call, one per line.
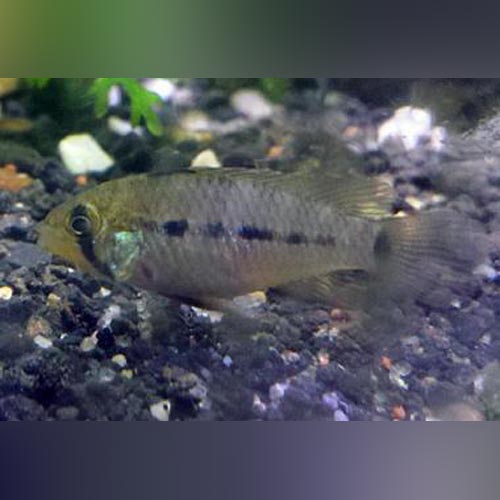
point(419, 253)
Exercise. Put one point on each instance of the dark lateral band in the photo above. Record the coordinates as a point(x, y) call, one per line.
point(217, 230)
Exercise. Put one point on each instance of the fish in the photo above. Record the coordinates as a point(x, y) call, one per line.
point(204, 237)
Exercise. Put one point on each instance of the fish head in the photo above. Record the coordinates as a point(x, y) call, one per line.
point(68, 228)
point(92, 232)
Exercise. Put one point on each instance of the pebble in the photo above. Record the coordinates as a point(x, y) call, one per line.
point(89, 343)
point(252, 104)
point(38, 326)
point(340, 416)
point(411, 126)
point(161, 410)
point(163, 87)
point(67, 413)
point(53, 300)
point(290, 357)
point(82, 154)
point(12, 180)
point(397, 373)
point(106, 375)
point(277, 391)
point(212, 316)
point(120, 360)
point(331, 400)
point(194, 125)
point(120, 126)
point(206, 159)
point(8, 85)
point(227, 361)
point(258, 405)
point(128, 374)
point(104, 292)
point(250, 300)
point(398, 412)
point(111, 313)
point(42, 342)
point(6, 293)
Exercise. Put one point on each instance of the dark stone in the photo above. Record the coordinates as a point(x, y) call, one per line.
point(20, 408)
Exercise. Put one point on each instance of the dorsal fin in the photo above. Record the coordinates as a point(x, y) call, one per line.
point(367, 197)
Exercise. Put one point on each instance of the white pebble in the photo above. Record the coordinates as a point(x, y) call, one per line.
point(120, 360)
point(161, 86)
point(252, 104)
point(111, 313)
point(212, 316)
point(340, 416)
point(6, 292)
point(227, 361)
point(123, 127)
point(42, 342)
point(408, 124)
point(277, 391)
point(161, 410)
point(206, 159)
point(82, 154)
point(104, 292)
point(331, 400)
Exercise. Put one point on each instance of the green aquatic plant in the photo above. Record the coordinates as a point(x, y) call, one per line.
point(274, 88)
point(142, 101)
point(38, 83)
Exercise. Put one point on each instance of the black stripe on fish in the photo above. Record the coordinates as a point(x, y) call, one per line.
point(86, 243)
point(214, 229)
point(254, 233)
point(176, 228)
point(296, 239)
point(325, 241)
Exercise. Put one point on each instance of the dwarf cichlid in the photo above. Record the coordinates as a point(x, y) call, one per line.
point(205, 236)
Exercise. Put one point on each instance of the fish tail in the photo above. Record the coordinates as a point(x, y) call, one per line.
point(418, 253)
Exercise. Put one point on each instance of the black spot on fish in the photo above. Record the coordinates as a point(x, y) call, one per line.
point(175, 227)
point(382, 246)
point(254, 233)
point(296, 239)
point(214, 229)
point(325, 240)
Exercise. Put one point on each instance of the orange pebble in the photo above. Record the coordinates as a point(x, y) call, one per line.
point(82, 180)
point(398, 412)
point(12, 180)
point(275, 151)
point(386, 363)
point(323, 358)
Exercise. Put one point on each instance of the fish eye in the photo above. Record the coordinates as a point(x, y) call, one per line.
point(81, 225)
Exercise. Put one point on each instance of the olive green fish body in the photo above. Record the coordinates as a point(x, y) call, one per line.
point(232, 237)
point(206, 235)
